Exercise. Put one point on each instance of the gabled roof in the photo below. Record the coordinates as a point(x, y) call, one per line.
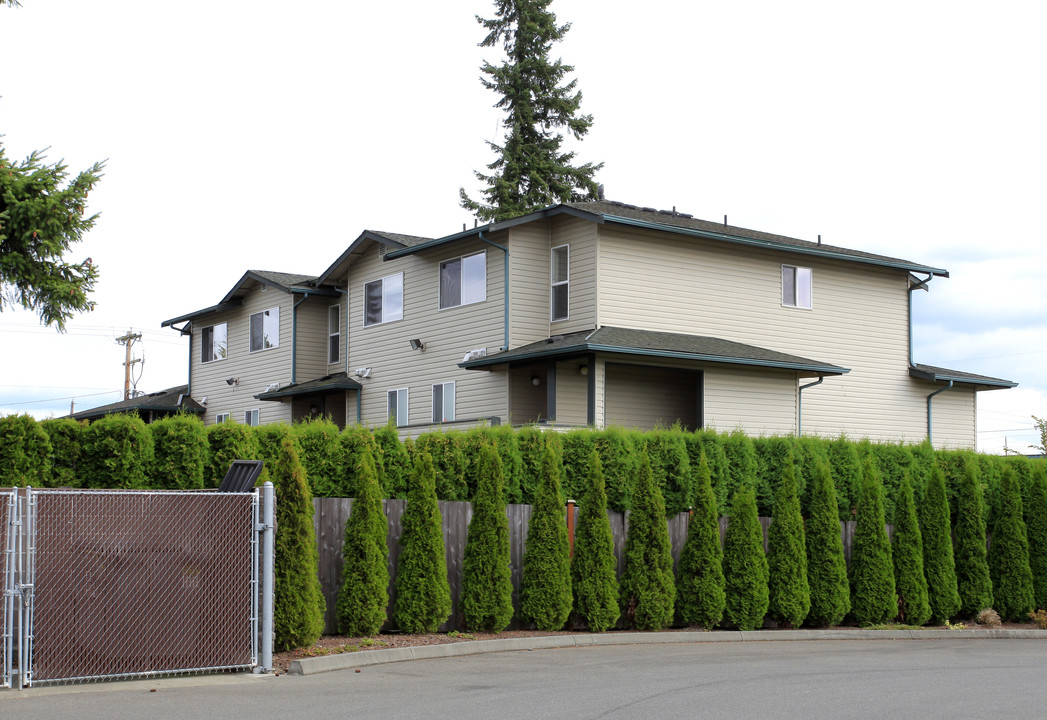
point(397, 241)
point(655, 344)
point(327, 383)
point(168, 401)
point(937, 374)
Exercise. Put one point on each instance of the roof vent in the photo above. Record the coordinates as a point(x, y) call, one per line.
point(264, 288)
point(381, 250)
point(600, 192)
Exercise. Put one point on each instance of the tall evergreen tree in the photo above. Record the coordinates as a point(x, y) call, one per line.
point(364, 595)
point(423, 595)
point(873, 598)
point(938, 564)
point(593, 567)
point(972, 568)
point(1009, 555)
point(789, 594)
point(1036, 525)
point(745, 563)
point(487, 586)
point(545, 586)
point(700, 594)
point(648, 589)
point(531, 170)
point(826, 566)
point(907, 551)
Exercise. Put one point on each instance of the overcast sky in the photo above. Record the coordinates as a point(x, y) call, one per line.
point(268, 135)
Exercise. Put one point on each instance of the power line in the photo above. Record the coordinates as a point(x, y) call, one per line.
point(67, 397)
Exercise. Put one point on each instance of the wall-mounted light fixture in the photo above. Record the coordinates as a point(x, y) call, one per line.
point(535, 380)
point(233, 381)
point(417, 344)
point(583, 370)
point(364, 372)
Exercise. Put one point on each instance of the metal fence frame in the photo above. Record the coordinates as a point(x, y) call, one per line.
point(8, 519)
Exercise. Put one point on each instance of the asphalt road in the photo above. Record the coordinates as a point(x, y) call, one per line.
point(811, 680)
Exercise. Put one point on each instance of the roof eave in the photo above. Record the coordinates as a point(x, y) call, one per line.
point(981, 382)
point(235, 302)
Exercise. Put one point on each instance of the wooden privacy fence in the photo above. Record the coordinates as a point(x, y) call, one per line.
point(331, 513)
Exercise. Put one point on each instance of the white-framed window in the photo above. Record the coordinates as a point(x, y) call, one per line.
point(443, 402)
point(334, 333)
point(398, 406)
point(221, 418)
point(251, 417)
point(463, 280)
point(214, 343)
point(265, 329)
point(796, 287)
point(560, 291)
point(384, 300)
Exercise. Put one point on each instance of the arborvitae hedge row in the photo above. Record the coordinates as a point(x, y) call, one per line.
point(972, 568)
point(700, 596)
point(180, 452)
point(25, 452)
point(395, 462)
point(789, 598)
point(364, 593)
point(741, 462)
point(545, 586)
point(1009, 554)
point(321, 454)
point(893, 461)
point(227, 442)
point(826, 566)
point(771, 454)
point(450, 462)
point(938, 564)
point(66, 437)
point(594, 576)
point(744, 563)
point(846, 471)
point(907, 551)
point(873, 599)
point(671, 468)
point(1036, 527)
point(354, 441)
point(710, 443)
point(117, 453)
point(619, 463)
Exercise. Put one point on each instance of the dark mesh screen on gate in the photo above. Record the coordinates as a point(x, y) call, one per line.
point(134, 582)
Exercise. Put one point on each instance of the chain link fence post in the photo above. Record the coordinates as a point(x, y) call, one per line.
point(267, 532)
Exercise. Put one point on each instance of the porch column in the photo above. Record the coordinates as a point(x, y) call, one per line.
point(550, 391)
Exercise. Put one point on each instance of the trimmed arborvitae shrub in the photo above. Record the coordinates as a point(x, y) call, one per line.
point(487, 587)
point(709, 443)
point(118, 451)
point(972, 568)
point(789, 596)
point(923, 461)
point(938, 566)
point(893, 461)
point(907, 551)
point(1009, 555)
point(364, 593)
point(269, 439)
point(25, 452)
point(771, 455)
point(578, 445)
point(298, 604)
point(618, 460)
point(396, 461)
point(648, 588)
point(809, 450)
point(873, 599)
point(593, 568)
point(423, 595)
point(745, 570)
point(503, 438)
point(700, 596)
point(449, 461)
point(179, 452)
point(1036, 527)
point(321, 454)
point(741, 462)
point(532, 443)
point(826, 566)
point(67, 436)
point(671, 468)
point(545, 586)
point(354, 441)
point(228, 441)
point(846, 471)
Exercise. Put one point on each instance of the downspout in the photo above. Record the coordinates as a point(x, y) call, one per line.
point(358, 403)
point(940, 390)
point(294, 337)
point(189, 383)
point(799, 404)
point(922, 285)
point(505, 343)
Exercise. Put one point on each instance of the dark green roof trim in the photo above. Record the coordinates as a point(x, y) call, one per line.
point(937, 374)
point(399, 240)
point(235, 302)
point(335, 381)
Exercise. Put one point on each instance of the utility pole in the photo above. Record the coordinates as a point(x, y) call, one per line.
point(127, 341)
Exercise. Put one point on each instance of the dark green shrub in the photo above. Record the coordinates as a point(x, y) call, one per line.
point(708, 442)
point(228, 441)
point(364, 593)
point(700, 595)
point(873, 599)
point(396, 462)
point(449, 461)
point(907, 551)
point(487, 587)
point(355, 440)
point(893, 461)
point(989, 469)
point(321, 454)
point(67, 437)
point(1009, 555)
point(545, 587)
point(789, 596)
point(648, 588)
point(578, 445)
point(298, 604)
point(593, 567)
point(1036, 526)
point(745, 571)
point(972, 569)
point(846, 471)
point(532, 443)
point(923, 462)
point(826, 566)
point(503, 438)
point(771, 454)
point(180, 452)
point(741, 462)
point(118, 451)
point(671, 468)
point(809, 450)
point(25, 452)
point(423, 595)
point(938, 565)
point(618, 460)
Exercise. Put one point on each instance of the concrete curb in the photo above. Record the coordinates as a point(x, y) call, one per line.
point(347, 661)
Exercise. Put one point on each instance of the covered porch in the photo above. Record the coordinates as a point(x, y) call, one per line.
point(331, 396)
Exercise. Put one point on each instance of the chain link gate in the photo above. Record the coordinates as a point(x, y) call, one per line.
point(8, 517)
point(123, 583)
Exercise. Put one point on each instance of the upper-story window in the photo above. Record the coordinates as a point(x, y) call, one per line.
point(559, 293)
point(384, 300)
point(265, 329)
point(796, 287)
point(334, 333)
point(213, 343)
point(463, 280)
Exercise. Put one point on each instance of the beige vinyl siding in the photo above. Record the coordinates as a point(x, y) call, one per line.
point(527, 402)
point(580, 236)
point(448, 335)
point(255, 370)
point(572, 393)
point(312, 340)
point(762, 402)
point(645, 397)
point(859, 320)
point(953, 413)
